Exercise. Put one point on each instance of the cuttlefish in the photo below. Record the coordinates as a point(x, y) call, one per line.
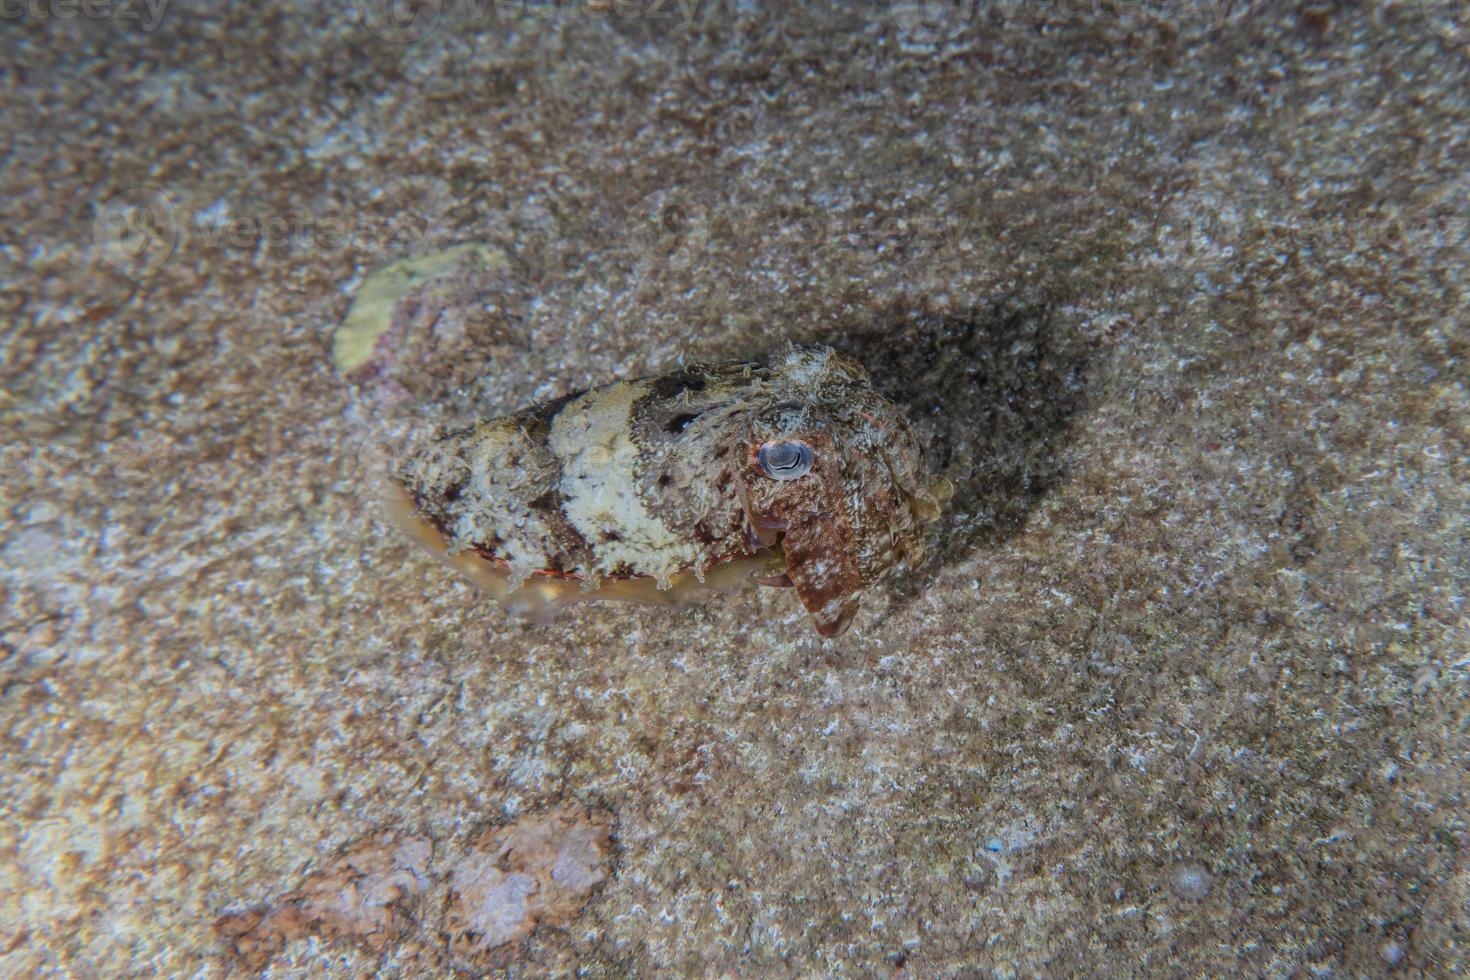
point(795, 473)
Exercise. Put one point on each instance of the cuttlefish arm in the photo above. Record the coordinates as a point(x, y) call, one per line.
point(824, 572)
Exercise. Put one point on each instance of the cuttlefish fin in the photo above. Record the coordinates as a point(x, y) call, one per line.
point(539, 598)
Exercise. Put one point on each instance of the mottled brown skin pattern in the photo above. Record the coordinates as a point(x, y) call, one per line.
point(654, 477)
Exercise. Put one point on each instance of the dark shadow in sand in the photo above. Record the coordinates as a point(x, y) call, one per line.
point(992, 394)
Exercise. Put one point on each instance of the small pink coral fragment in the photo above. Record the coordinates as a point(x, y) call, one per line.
point(366, 893)
point(539, 870)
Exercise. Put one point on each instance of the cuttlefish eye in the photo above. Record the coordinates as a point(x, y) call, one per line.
point(785, 460)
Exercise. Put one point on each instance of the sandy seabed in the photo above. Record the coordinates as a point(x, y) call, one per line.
point(1174, 293)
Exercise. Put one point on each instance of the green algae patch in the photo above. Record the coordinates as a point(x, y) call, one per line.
point(371, 313)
